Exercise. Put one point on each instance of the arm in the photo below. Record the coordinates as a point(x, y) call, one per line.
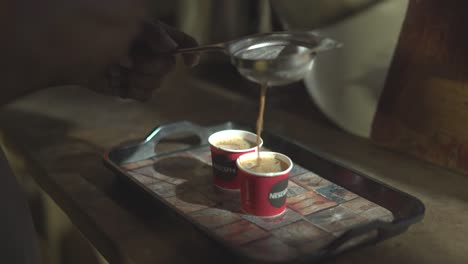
point(17, 238)
point(55, 42)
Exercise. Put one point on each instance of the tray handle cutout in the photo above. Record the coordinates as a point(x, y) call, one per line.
point(367, 234)
point(147, 148)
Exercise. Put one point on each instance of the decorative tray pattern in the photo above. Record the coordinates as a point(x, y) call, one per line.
point(322, 218)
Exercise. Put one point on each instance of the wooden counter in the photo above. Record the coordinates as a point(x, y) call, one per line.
point(60, 134)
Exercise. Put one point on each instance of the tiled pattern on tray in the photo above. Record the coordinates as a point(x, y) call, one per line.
point(317, 210)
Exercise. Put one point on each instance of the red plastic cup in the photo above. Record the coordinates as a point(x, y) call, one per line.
point(224, 159)
point(264, 194)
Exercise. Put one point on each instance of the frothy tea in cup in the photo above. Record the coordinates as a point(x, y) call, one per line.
point(226, 147)
point(264, 185)
point(264, 165)
point(234, 143)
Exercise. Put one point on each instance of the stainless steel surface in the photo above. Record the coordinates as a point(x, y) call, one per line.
point(277, 58)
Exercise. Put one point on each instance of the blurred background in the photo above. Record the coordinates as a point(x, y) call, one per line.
point(344, 86)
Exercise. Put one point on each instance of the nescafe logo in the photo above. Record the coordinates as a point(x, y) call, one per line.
point(278, 193)
point(224, 167)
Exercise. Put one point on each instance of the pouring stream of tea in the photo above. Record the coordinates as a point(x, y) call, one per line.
point(260, 118)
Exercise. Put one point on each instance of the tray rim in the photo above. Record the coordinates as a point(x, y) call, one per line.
point(394, 228)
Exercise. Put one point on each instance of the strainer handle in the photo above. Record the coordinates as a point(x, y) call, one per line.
point(220, 47)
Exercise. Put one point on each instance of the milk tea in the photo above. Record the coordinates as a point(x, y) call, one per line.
point(234, 143)
point(265, 165)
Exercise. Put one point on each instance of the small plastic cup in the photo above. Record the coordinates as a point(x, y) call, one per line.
point(224, 159)
point(264, 194)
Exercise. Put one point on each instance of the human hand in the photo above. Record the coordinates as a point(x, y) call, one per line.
point(149, 60)
point(107, 45)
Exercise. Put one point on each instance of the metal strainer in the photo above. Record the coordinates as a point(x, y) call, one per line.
point(277, 58)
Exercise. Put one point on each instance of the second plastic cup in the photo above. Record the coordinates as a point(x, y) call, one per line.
point(264, 193)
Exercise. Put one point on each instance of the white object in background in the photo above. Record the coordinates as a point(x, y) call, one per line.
point(346, 83)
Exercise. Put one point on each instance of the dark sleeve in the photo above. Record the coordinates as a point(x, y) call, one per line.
point(18, 240)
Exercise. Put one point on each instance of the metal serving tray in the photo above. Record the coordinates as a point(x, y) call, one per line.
point(330, 208)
